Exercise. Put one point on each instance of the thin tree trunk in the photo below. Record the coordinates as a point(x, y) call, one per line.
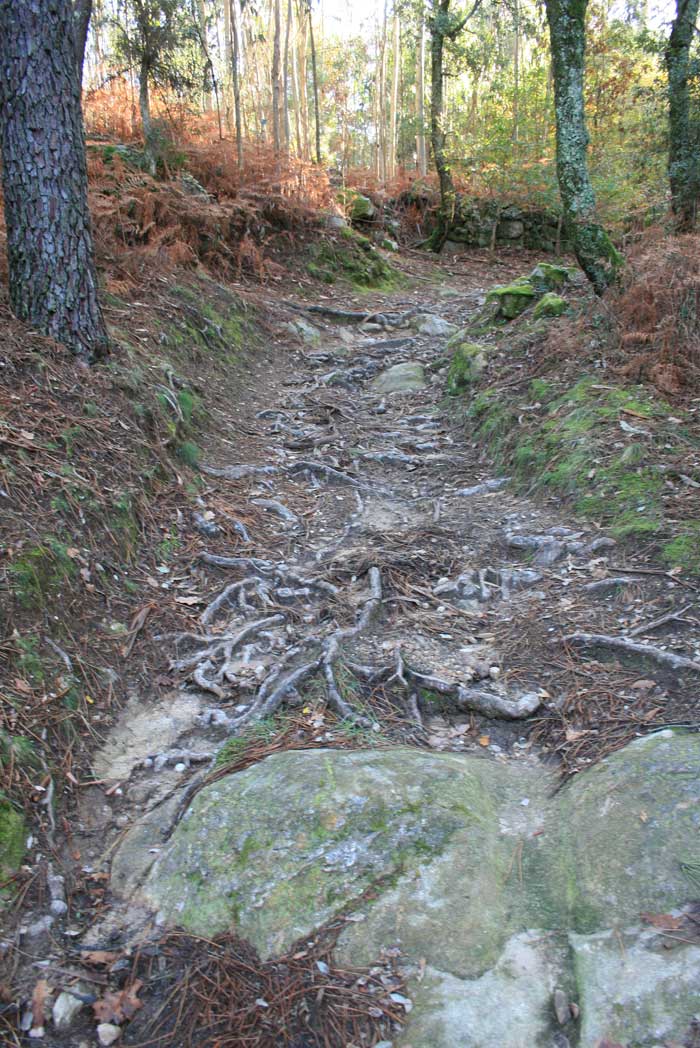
point(393, 116)
point(314, 78)
point(81, 22)
point(236, 79)
point(515, 133)
point(595, 251)
point(421, 145)
point(276, 78)
point(52, 277)
point(208, 68)
point(303, 87)
point(296, 94)
point(381, 103)
point(683, 159)
point(448, 196)
point(150, 146)
point(285, 80)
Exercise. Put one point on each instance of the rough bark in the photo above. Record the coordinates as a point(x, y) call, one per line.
point(52, 278)
point(683, 158)
point(594, 250)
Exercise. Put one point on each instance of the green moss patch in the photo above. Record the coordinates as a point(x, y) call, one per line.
point(468, 362)
point(353, 258)
point(550, 305)
point(13, 836)
point(513, 299)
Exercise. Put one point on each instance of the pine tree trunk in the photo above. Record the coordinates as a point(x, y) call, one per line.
point(52, 278)
point(448, 196)
point(594, 250)
point(683, 159)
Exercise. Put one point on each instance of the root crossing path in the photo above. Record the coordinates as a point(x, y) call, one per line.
point(364, 578)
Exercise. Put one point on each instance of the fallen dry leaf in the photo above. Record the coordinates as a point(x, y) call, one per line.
point(116, 1007)
point(484, 740)
point(189, 601)
point(666, 922)
point(41, 992)
point(99, 956)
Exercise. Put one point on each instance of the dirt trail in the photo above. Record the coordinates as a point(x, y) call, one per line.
point(400, 584)
point(397, 584)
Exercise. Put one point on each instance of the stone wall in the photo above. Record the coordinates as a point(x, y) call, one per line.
point(485, 223)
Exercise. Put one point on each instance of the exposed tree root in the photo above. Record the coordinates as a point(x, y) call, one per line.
point(631, 647)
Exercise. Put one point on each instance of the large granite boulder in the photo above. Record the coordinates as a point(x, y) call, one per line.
point(505, 896)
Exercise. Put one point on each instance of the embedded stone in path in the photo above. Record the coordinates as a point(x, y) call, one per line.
point(408, 377)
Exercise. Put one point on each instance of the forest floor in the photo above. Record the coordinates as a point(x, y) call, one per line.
point(360, 574)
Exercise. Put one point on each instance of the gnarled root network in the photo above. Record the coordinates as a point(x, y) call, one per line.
point(274, 630)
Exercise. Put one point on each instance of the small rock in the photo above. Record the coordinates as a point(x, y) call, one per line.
point(205, 527)
point(549, 554)
point(437, 326)
point(561, 1007)
point(401, 378)
point(482, 489)
point(108, 1033)
point(67, 1006)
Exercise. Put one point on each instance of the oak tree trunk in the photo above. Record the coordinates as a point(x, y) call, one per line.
point(52, 278)
point(594, 250)
point(683, 158)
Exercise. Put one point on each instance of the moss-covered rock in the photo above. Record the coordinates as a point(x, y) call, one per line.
point(513, 299)
point(550, 305)
point(496, 887)
point(468, 362)
point(359, 208)
point(550, 276)
point(13, 835)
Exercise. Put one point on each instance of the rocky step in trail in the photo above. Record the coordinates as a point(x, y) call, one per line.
point(405, 658)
